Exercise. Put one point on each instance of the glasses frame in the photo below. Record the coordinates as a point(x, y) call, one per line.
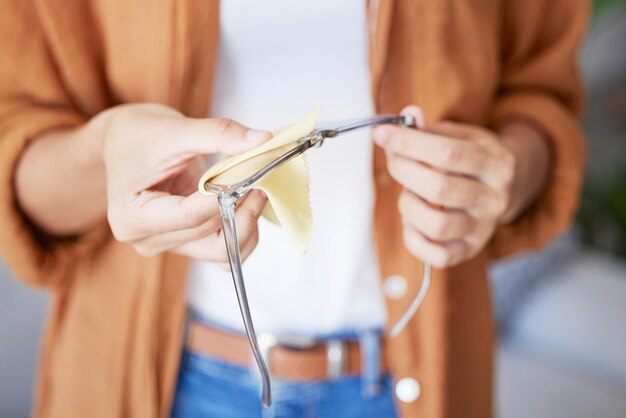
point(229, 195)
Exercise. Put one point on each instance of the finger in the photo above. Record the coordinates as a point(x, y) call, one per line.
point(159, 243)
point(457, 130)
point(245, 248)
point(249, 245)
point(168, 239)
point(212, 248)
point(208, 136)
point(446, 153)
point(154, 212)
point(493, 161)
point(252, 204)
point(434, 223)
point(174, 217)
point(246, 219)
point(489, 151)
point(186, 182)
point(245, 252)
point(440, 255)
point(440, 188)
point(417, 114)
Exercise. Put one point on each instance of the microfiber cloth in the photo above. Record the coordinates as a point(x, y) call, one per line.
point(286, 187)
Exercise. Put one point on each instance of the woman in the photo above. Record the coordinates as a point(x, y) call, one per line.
point(103, 134)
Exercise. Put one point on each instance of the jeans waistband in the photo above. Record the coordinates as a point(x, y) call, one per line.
point(370, 342)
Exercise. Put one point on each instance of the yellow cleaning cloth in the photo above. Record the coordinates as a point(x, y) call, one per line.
point(287, 187)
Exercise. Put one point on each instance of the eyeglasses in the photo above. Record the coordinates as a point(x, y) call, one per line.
point(229, 195)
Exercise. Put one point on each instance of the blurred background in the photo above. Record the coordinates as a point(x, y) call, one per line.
point(561, 313)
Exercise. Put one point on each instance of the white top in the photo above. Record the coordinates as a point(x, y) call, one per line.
point(278, 60)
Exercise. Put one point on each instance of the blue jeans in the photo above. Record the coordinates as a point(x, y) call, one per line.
point(210, 388)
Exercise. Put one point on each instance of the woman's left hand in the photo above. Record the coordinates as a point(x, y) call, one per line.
point(460, 182)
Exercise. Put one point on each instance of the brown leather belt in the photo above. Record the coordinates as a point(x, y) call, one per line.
point(293, 359)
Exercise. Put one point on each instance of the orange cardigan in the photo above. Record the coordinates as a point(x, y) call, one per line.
point(113, 340)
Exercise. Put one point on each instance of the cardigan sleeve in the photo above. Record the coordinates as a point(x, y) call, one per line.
point(32, 101)
point(540, 84)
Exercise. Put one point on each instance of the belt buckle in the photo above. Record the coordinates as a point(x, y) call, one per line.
point(336, 358)
point(336, 351)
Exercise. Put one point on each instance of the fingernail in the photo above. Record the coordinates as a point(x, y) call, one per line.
point(381, 135)
point(416, 112)
point(257, 135)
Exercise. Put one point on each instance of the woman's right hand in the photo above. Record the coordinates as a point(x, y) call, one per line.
point(153, 158)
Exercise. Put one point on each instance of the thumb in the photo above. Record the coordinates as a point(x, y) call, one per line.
point(417, 113)
point(208, 136)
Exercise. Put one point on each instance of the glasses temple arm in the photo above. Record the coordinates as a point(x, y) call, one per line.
point(227, 204)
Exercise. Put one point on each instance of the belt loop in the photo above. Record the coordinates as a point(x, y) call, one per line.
point(369, 341)
point(189, 317)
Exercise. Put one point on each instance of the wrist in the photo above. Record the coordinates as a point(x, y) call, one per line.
point(55, 160)
point(91, 141)
point(532, 157)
